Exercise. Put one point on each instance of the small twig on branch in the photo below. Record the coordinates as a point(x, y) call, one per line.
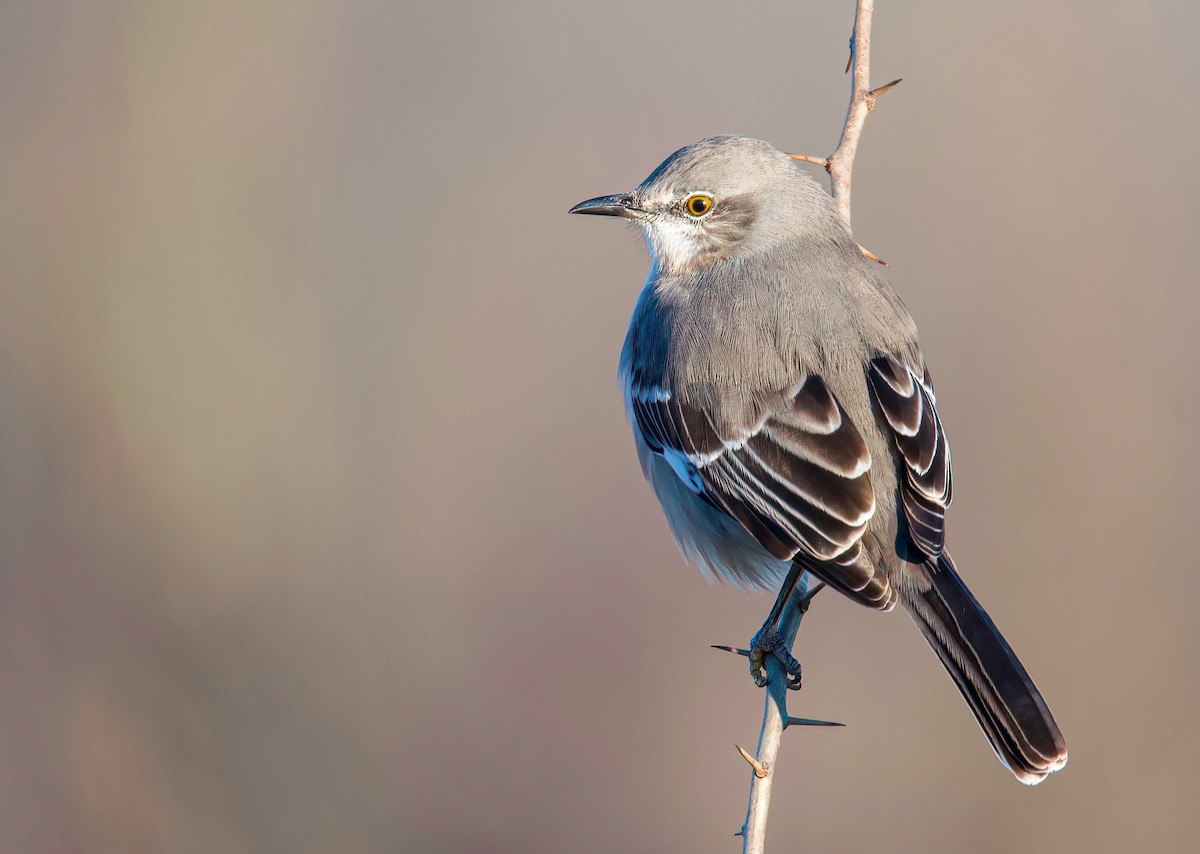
point(776, 719)
point(808, 158)
point(761, 769)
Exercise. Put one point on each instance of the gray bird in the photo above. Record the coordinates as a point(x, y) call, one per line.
point(785, 418)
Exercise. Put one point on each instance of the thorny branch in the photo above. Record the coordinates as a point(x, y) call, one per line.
point(776, 719)
point(862, 101)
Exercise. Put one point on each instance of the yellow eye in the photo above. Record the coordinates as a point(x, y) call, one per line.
point(698, 204)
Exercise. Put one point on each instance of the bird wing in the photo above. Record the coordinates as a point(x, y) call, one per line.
point(904, 393)
point(792, 469)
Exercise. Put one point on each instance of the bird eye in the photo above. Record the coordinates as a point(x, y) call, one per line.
point(698, 204)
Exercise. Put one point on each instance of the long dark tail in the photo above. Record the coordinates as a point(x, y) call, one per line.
point(1007, 704)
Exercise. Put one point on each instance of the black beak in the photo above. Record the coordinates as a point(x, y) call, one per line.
point(618, 205)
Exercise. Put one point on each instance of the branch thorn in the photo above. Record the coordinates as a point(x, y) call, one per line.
point(808, 722)
point(806, 600)
point(875, 93)
point(761, 769)
point(872, 256)
point(735, 650)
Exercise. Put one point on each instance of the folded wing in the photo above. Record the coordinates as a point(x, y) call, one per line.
point(793, 469)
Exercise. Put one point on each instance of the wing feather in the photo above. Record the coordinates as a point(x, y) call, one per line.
point(904, 392)
point(793, 469)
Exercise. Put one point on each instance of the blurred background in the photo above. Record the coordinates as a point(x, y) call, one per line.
point(320, 523)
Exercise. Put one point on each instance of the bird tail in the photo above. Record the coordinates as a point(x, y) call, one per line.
point(1006, 703)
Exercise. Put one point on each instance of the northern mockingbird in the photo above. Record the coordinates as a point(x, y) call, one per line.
point(784, 415)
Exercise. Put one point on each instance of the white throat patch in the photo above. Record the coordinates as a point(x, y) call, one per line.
point(673, 243)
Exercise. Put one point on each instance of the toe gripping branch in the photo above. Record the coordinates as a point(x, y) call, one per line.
point(772, 642)
point(768, 641)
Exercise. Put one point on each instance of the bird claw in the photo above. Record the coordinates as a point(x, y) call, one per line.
point(758, 665)
point(769, 641)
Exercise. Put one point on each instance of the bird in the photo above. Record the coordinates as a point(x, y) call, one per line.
point(783, 413)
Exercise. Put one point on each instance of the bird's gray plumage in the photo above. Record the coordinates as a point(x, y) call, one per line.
point(783, 412)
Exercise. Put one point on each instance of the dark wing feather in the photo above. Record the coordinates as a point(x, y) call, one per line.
point(797, 478)
point(904, 392)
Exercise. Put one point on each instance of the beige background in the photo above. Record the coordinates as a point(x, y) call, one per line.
point(320, 525)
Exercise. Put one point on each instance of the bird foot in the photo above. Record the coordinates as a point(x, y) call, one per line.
point(768, 642)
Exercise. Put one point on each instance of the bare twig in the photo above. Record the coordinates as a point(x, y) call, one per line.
point(862, 101)
point(776, 719)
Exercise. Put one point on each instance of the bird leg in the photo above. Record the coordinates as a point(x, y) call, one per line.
point(767, 639)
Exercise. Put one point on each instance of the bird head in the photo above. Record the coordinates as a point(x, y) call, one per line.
point(720, 198)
